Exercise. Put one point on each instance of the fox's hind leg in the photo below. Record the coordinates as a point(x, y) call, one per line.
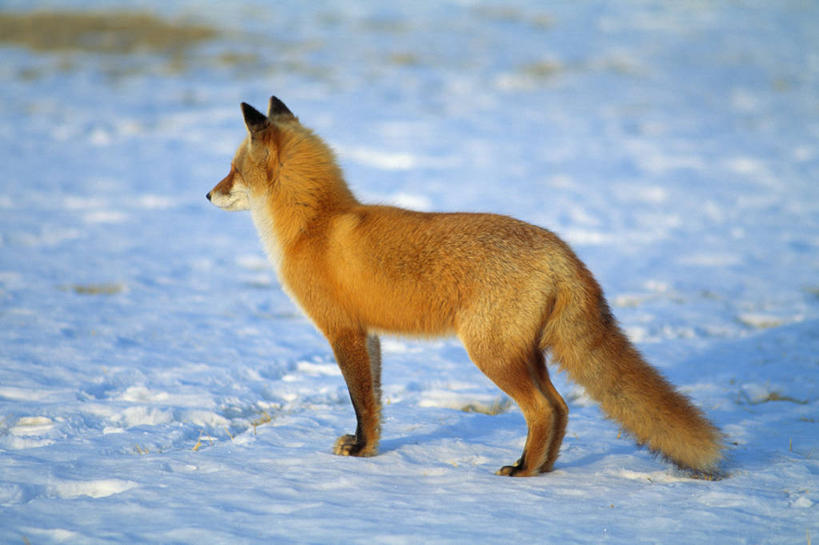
point(560, 411)
point(359, 358)
point(521, 375)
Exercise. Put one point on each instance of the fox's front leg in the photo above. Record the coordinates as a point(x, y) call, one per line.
point(359, 358)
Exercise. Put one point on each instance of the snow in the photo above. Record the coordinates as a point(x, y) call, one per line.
point(157, 386)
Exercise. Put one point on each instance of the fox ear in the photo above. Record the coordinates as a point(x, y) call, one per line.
point(277, 109)
point(254, 119)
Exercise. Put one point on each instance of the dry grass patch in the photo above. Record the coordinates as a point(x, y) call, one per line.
point(96, 289)
point(101, 32)
point(495, 408)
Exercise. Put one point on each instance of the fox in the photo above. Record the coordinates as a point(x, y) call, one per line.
point(511, 292)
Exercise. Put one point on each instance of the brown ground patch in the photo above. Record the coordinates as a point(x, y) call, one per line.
point(102, 32)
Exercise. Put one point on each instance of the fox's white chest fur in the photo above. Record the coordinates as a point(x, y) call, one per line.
point(263, 221)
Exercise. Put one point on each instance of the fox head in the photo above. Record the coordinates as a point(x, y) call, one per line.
point(258, 158)
point(285, 175)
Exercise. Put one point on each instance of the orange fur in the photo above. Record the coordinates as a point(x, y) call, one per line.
point(509, 290)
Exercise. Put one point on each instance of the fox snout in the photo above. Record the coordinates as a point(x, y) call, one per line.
point(230, 193)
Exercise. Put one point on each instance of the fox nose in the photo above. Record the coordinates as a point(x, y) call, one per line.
point(208, 195)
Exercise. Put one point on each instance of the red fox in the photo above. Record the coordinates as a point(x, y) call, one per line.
point(510, 291)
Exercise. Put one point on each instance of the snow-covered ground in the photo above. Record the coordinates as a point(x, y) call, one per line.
point(157, 386)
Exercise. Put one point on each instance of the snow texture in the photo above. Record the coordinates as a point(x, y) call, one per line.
point(157, 386)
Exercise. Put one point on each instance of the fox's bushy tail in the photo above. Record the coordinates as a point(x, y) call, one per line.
point(586, 341)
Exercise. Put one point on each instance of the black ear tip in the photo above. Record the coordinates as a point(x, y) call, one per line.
point(277, 107)
point(254, 119)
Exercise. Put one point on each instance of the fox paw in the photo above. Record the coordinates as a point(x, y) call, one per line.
point(516, 470)
point(348, 445)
